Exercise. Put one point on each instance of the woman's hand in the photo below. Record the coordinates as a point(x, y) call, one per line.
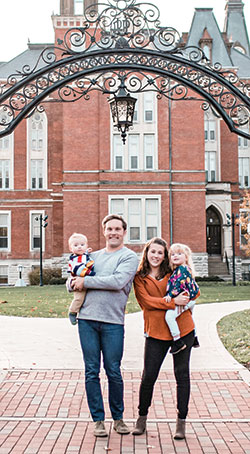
point(77, 283)
point(182, 299)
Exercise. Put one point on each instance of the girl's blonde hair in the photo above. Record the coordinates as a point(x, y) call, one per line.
point(179, 247)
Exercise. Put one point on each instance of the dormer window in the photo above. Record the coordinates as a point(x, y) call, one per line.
point(206, 44)
point(239, 48)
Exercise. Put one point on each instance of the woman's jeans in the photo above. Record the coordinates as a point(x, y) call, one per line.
point(154, 355)
point(97, 337)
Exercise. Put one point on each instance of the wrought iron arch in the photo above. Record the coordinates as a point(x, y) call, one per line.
point(124, 43)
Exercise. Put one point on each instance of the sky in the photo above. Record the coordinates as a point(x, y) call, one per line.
point(31, 19)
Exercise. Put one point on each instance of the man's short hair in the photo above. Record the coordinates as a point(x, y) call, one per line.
point(110, 217)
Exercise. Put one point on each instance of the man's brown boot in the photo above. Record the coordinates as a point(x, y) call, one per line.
point(180, 429)
point(140, 425)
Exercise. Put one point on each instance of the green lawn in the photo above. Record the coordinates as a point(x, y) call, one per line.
point(53, 300)
point(46, 301)
point(234, 333)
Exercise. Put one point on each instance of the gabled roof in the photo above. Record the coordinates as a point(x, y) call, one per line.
point(28, 57)
point(242, 62)
point(235, 25)
point(204, 18)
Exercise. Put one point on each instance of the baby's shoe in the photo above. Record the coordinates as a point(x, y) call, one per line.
point(196, 342)
point(177, 346)
point(72, 317)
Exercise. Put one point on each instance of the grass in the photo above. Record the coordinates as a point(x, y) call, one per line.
point(223, 291)
point(53, 300)
point(48, 301)
point(234, 333)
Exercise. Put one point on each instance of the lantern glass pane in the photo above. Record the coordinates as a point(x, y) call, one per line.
point(122, 111)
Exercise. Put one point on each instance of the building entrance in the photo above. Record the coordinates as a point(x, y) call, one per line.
point(213, 232)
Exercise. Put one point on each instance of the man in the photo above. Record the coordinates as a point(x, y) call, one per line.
point(101, 321)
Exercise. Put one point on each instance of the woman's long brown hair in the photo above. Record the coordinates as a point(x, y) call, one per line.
point(144, 267)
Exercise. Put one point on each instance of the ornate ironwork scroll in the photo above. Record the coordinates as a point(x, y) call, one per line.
point(124, 40)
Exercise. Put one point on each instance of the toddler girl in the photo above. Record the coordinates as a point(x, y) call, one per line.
point(181, 280)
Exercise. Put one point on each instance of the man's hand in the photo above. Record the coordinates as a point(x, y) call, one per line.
point(182, 299)
point(77, 283)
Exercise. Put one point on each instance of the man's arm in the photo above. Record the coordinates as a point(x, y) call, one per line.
point(124, 272)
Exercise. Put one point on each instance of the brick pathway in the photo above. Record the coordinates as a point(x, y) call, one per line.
point(46, 412)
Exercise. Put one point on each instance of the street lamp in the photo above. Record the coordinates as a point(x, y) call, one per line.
point(122, 108)
point(43, 224)
point(231, 221)
point(20, 282)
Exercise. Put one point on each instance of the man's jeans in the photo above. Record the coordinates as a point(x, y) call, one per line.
point(97, 337)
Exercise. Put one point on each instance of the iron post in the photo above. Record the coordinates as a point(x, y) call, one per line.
point(233, 247)
point(231, 222)
point(41, 220)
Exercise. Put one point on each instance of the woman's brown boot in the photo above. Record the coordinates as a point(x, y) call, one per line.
point(180, 429)
point(140, 425)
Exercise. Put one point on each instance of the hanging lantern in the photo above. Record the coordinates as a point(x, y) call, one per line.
point(122, 108)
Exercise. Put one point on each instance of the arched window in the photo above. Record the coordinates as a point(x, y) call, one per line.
point(37, 151)
point(211, 147)
point(6, 157)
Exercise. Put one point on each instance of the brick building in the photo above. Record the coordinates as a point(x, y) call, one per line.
point(179, 174)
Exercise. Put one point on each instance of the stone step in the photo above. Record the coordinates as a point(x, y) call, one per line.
point(217, 268)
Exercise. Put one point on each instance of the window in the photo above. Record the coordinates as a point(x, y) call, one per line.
point(134, 219)
point(137, 154)
point(242, 142)
point(6, 161)
point(4, 143)
point(207, 52)
point(36, 173)
point(118, 152)
point(37, 151)
point(210, 166)
point(4, 173)
point(136, 112)
point(37, 134)
point(142, 215)
point(78, 7)
point(210, 130)
point(4, 231)
point(148, 106)
point(151, 217)
point(133, 149)
point(3, 274)
point(35, 230)
point(243, 233)
point(244, 172)
point(149, 152)
point(140, 149)
point(244, 228)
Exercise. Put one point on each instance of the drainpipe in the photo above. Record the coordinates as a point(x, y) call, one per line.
point(170, 172)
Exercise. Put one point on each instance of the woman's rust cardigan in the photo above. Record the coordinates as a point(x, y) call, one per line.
point(149, 293)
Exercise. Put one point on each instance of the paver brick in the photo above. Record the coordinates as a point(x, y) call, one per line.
point(46, 412)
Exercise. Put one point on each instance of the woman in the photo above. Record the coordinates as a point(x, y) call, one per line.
point(150, 289)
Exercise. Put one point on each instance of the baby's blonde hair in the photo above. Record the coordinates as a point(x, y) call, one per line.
point(188, 254)
point(76, 235)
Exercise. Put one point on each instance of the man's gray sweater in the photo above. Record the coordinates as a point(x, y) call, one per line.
point(108, 290)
